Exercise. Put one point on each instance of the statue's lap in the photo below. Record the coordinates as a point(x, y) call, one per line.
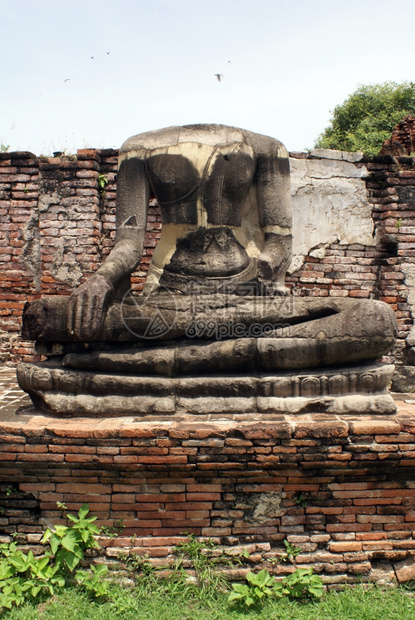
point(292, 354)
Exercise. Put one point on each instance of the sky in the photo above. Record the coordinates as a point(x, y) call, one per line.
point(90, 73)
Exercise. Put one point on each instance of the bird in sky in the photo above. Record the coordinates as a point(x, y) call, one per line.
point(67, 80)
point(219, 76)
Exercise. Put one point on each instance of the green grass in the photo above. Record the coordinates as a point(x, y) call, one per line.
point(133, 604)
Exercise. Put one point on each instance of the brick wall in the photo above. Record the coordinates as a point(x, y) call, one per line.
point(341, 489)
point(57, 225)
point(391, 191)
point(19, 192)
point(402, 140)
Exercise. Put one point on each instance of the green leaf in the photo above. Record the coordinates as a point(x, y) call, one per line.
point(26, 585)
point(30, 556)
point(249, 601)
point(81, 575)
point(19, 563)
point(60, 530)
point(35, 591)
point(85, 535)
point(59, 581)
point(100, 570)
point(43, 562)
point(6, 600)
point(278, 590)
point(6, 571)
point(69, 543)
point(315, 591)
point(54, 544)
point(50, 588)
point(70, 559)
point(83, 511)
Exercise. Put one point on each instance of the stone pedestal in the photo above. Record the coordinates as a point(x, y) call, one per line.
point(68, 392)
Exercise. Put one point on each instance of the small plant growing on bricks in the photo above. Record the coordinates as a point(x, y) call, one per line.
point(102, 183)
point(291, 552)
point(68, 544)
point(198, 554)
point(301, 584)
point(259, 586)
point(24, 576)
point(195, 572)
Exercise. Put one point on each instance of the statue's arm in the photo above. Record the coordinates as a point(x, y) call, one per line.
point(87, 305)
point(131, 221)
point(274, 203)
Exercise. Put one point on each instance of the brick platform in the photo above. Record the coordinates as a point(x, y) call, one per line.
point(342, 488)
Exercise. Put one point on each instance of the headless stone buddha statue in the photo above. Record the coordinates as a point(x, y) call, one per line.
point(215, 329)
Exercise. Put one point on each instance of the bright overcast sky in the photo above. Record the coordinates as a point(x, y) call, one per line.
point(285, 63)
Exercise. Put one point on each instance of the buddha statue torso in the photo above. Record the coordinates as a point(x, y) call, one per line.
point(202, 178)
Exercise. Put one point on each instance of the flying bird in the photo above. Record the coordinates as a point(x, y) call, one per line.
point(67, 80)
point(219, 76)
point(92, 57)
point(108, 53)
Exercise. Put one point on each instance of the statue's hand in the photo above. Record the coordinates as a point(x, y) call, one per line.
point(86, 307)
point(271, 273)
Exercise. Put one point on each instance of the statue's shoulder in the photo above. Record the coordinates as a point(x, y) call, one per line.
point(265, 145)
point(212, 134)
point(151, 139)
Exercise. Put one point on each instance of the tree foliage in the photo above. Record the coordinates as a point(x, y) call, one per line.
point(367, 117)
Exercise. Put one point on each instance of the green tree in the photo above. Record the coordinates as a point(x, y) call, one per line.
point(367, 117)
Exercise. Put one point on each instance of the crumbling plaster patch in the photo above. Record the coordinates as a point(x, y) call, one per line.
point(61, 270)
point(261, 507)
point(267, 506)
point(30, 256)
point(47, 199)
point(408, 269)
point(330, 205)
